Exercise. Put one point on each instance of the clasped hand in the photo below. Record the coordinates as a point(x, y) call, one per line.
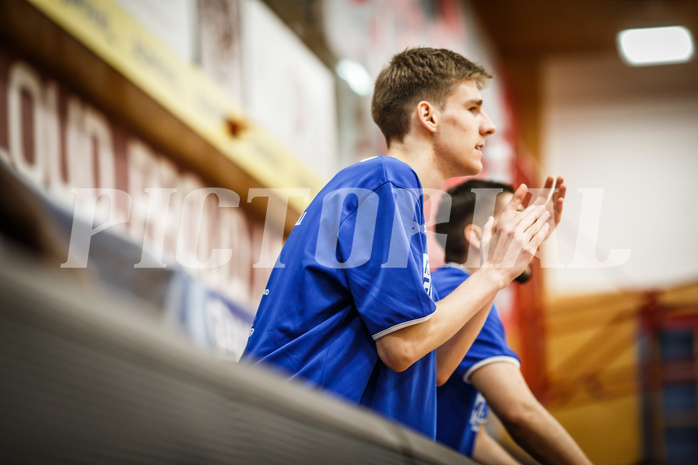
point(510, 243)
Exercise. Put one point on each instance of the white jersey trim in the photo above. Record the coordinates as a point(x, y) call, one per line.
point(488, 361)
point(404, 324)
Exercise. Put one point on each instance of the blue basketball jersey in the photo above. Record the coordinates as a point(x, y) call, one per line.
point(461, 409)
point(354, 268)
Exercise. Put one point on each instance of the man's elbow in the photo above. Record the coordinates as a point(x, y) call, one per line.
point(518, 416)
point(395, 354)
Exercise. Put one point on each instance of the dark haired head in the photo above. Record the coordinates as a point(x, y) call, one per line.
point(460, 211)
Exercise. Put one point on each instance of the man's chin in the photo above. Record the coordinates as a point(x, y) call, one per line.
point(471, 169)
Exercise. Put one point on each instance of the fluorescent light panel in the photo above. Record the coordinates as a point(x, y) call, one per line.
point(655, 45)
point(356, 76)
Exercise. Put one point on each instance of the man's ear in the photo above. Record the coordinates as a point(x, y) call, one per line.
point(426, 115)
point(473, 234)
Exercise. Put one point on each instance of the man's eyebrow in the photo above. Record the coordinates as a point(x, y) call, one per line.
point(474, 102)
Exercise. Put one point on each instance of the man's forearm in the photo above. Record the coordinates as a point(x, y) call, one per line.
point(487, 451)
point(527, 421)
point(400, 349)
point(542, 437)
point(450, 354)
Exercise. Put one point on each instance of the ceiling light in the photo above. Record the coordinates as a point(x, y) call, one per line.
point(356, 76)
point(655, 45)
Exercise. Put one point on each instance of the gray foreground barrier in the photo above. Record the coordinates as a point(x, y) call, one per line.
point(89, 378)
